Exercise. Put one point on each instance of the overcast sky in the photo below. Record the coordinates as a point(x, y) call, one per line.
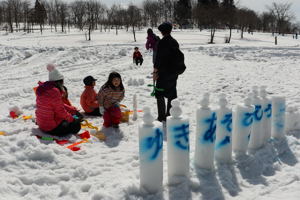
point(260, 5)
point(257, 5)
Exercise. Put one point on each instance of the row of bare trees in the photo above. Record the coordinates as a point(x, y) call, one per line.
point(89, 15)
point(213, 14)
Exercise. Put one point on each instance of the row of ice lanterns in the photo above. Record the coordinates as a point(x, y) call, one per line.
point(217, 133)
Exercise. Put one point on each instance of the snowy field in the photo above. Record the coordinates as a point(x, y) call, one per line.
point(33, 169)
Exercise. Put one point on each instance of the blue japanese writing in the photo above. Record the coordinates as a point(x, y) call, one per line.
point(227, 122)
point(184, 133)
point(210, 133)
point(258, 113)
point(248, 119)
point(224, 142)
point(156, 142)
point(268, 110)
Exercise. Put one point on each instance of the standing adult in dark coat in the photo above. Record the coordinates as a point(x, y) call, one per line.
point(164, 72)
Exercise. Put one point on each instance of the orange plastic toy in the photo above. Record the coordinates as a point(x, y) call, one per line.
point(26, 117)
point(2, 133)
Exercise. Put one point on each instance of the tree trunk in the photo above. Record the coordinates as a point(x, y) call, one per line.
point(133, 33)
point(11, 26)
point(90, 28)
point(41, 28)
point(242, 32)
point(230, 33)
point(212, 35)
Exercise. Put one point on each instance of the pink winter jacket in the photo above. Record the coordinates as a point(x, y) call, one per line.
point(151, 42)
point(50, 109)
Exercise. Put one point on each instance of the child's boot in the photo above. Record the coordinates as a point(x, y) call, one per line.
point(115, 125)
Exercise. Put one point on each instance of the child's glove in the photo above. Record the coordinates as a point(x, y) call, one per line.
point(101, 110)
point(79, 115)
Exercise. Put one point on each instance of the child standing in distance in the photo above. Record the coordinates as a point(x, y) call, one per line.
point(152, 42)
point(137, 56)
point(109, 97)
point(88, 98)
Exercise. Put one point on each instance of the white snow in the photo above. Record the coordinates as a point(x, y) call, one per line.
point(33, 169)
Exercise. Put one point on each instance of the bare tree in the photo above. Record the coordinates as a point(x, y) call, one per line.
point(9, 14)
point(246, 19)
point(26, 15)
point(102, 15)
point(207, 16)
point(135, 17)
point(90, 23)
point(183, 13)
point(113, 15)
point(16, 4)
point(152, 12)
point(99, 13)
point(167, 9)
point(268, 22)
point(2, 12)
point(78, 10)
point(228, 16)
point(62, 10)
point(52, 9)
point(40, 14)
point(282, 14)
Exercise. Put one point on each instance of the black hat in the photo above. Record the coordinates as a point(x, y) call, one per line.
point(89, 80)
point(165, 27)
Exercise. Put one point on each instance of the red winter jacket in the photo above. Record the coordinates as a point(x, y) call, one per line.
point(50, 109)
point(88, 99)
point(137, 54)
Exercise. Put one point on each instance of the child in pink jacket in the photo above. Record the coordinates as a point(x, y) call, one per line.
point(52, 116)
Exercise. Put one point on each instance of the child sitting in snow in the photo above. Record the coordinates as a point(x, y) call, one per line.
point(137, 56)
point(88, 98)
point(53, 116)
point(109, 97)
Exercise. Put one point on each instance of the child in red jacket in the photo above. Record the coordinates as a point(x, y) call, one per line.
point(88, 98)
point(137, 56)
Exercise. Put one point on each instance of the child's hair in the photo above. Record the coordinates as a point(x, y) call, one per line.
point(149, 31)
point(111, 76)
point(136, 48)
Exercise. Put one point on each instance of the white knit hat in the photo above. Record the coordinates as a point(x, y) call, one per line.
point(54, 74)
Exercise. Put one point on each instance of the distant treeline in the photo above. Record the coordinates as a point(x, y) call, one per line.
point(20, 15)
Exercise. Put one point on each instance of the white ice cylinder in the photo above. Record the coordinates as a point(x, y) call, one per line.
point(223, 146)
point(257, 136)
point(278, 117)
point(178, 143)
point(267, 109)
point(242, 125)
point(205, 135)
point(151, 154)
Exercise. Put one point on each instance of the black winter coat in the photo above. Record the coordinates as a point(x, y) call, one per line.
point(167, 77)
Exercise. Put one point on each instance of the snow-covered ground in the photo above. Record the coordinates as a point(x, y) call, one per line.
point(31, 169)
